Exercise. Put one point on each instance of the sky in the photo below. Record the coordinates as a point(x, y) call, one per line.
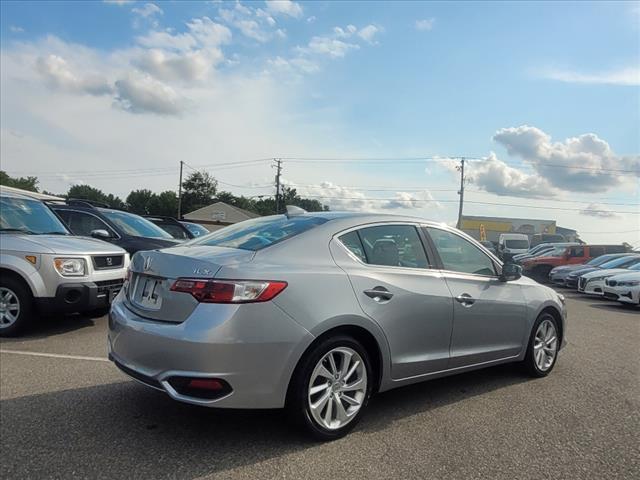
point(369, 104)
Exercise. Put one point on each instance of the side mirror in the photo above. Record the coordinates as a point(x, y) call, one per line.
point(100, 234)
point(510, 272)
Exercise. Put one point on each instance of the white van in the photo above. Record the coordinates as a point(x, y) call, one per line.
point(510, 244)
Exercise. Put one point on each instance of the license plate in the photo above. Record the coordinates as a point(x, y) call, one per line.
point(149, 296)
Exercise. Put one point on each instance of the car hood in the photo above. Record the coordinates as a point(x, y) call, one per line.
point(568, 268)
point(58, 244)
point(605, 273)
point(583, 271)
point(626, 276)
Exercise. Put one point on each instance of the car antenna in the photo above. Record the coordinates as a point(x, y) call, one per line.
point(293, 211)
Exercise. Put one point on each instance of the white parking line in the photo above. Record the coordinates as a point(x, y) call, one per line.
point(55, 355)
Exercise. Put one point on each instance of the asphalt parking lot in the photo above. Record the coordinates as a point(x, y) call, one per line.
point(66, 412)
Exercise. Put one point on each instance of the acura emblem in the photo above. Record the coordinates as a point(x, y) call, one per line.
point(147, 263)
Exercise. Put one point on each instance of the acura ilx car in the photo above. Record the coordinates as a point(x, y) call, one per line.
point(318, 311)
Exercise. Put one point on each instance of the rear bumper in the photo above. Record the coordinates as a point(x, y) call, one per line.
point(80, 297)
point(252, 347)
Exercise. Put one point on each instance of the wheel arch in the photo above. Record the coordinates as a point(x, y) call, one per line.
point(357, 332)
point(18, 276)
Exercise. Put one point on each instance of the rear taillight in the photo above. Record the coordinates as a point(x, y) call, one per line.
point(229, 291)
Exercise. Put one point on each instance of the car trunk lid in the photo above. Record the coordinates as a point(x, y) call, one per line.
point(148, 291)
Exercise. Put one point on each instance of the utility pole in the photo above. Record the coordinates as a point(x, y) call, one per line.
point(278, 171)
point(461, 192)
point(180, 192)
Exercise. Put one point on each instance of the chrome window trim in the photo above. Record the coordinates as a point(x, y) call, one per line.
point(416, 225)
point(496, 266)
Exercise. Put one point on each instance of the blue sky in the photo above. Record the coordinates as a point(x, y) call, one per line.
point(141, 85)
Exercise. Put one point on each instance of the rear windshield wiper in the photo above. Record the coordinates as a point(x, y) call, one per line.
point(21, 230)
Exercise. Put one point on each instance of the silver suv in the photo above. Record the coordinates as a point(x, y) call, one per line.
point(45, 269)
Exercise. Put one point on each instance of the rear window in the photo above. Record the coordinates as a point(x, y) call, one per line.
point(519, 244)
point(259, 233)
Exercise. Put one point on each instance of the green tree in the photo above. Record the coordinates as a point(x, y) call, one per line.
point(87, 192)
point(164, 203)
point(198, 190)
point(290, 197)
point(138, 201)
point(25, 183)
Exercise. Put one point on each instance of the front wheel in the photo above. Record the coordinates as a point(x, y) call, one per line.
point(15, 307)
point(543, 347)
point(331, 388)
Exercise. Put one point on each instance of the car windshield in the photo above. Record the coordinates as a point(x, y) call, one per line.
point(195, 229)
point(135, 225)
point(620, 262)
point(29, 216)
point(597, 261)
point(635, 267)
point(518, 244)
point(259, 233)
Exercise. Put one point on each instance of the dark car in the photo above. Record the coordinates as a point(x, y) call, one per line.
point(126, 230)
point(489, 246)
point(622, 262)
point(172, 226)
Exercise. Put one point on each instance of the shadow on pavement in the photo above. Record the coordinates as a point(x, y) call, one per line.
point(47, 326)
point(128, 431)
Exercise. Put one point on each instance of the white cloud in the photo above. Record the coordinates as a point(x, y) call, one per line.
point(311, 19)
point(625, 76)
point(425, 24)
point(147, 10)
point(16, 29)
point(495, 176)
point(284, 7)
point(252, 23)
point(144, 94)
point(188, 66)
point(146, 14)
point(331, 47)
point(368, 33)
point(585, 163)
point(599, 211)
point(59, 74)
point(338, 197)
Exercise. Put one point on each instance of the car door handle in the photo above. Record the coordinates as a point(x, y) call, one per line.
point(465, 299)
point(379, 294)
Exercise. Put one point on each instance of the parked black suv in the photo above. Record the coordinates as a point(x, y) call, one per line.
point(126, 230)
point(172, 226)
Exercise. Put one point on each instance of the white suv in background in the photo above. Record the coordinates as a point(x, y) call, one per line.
point(44, 269)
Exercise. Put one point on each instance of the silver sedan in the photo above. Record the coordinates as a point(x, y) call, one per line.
point(318, 311)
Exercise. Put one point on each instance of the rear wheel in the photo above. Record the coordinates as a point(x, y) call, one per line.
point(16, 307)
point(543, 347)
point(331, 388)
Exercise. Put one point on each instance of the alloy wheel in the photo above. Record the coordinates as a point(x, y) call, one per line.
point(545, 345)
point(9, 307)
point(337, 388)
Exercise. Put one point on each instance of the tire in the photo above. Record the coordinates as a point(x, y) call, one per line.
point(541, 364)
point(15, 301)
point(329, 421)
point(541, 273)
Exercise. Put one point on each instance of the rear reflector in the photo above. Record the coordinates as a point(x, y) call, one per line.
point(229, 291)
point(205, 384)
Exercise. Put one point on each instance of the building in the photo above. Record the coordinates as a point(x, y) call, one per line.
point(218, 215)
point(490, 228)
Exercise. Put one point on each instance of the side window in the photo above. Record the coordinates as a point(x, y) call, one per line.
point(576, 252)
point(393, 246)
point(596, 251)
point(351, 240)
point(83, 223)
point(459, 255)
point(614, 249)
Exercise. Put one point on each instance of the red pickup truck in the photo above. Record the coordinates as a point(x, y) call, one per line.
point(539, 267)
